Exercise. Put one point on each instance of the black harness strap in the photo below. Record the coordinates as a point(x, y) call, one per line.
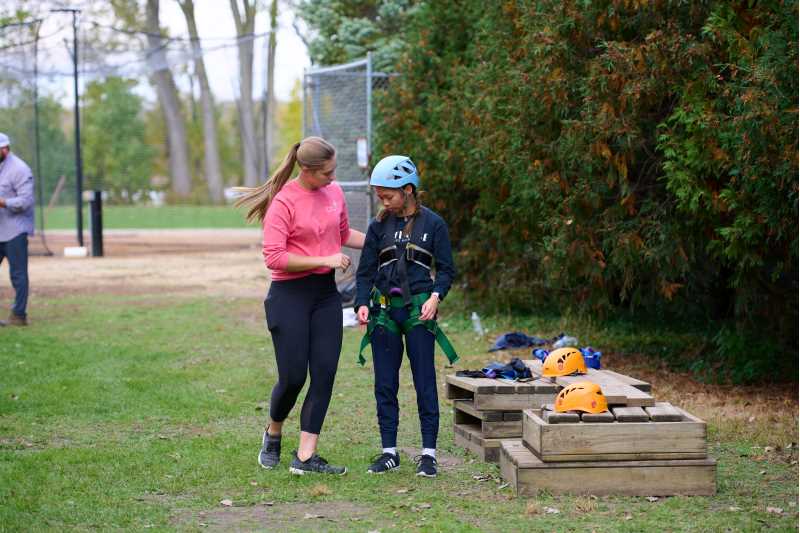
point(417, 226)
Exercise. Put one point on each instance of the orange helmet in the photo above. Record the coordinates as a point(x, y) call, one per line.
point(563, 362)
point(582, 396)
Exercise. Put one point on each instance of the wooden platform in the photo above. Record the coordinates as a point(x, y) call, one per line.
point(527, 475)
point(493, 424)
point(469, 437)
point(614, 441)
point(499, 395)
point(617, 388)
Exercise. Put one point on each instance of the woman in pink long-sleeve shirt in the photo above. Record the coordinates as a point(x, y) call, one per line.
point(305, 226)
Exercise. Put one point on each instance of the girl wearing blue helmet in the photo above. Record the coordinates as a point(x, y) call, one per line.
point(405, 271)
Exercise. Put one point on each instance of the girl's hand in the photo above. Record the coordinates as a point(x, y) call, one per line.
point(429, 308)
point(363, 316)
point(339, 260)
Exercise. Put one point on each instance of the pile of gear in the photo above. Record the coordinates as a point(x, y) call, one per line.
point(513, 370)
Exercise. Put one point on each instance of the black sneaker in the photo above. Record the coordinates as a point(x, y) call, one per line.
point(385, 462)
point(270, 454)
point(315, 464)
point(426, 465)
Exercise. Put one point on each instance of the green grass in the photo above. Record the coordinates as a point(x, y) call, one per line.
point(142, 217)
point(127, 412)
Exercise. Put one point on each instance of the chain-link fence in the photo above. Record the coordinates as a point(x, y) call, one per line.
point(32, 119)
point(338, 105)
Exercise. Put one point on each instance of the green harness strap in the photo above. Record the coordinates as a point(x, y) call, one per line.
point(384, 320)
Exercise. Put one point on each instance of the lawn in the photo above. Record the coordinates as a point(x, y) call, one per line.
point(146, 217)
point(145, 411)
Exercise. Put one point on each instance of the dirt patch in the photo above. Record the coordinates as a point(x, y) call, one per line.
point(316, 516)
point(226, 263)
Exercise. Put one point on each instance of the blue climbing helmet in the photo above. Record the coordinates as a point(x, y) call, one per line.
point(394, 171)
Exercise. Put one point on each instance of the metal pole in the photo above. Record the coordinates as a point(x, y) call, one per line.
point(78, 161)
point(369, 132)
point(96, 223)
point(369, 105)
point(37, 141)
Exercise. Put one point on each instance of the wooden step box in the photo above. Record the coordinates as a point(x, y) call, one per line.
point(527, 475)
point(615, 440)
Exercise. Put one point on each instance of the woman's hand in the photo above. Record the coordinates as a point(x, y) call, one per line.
point(363, 316)
point(429, 308)
point(339, 260)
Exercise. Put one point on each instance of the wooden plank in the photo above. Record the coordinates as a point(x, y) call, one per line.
point(471, 384)
point(518, 454)
point(510, 402)
point(490, 427)
point(502, 429)
point(630, 478)
point(454, 392)
point(468, 407)
point(539, 385)
point(462, 417)
point(512, 416)
point(550, 416)
point(470, 438)
point(633, 382)
point(601, 418)
point(664, 412)
point(613, 441)
point(630, 414)
point(532, 433)
point(508, 468)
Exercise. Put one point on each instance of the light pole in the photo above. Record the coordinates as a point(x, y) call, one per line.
point(78, 159)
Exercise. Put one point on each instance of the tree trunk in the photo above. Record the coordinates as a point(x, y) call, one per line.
point(269, 134)
point(211, 155)
point(180, 173)
point(245, 23)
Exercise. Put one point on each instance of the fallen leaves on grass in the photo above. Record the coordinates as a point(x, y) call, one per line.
point(226, 503)
point(585, 505)
point(320, 490)
point(775, 510)
point(532, 509)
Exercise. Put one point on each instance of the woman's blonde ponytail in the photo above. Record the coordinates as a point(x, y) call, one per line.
point(311, 153)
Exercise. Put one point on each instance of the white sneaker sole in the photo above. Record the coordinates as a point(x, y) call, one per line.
point(300, 472)
point(423, 474)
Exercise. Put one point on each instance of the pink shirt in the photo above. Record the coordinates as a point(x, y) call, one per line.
point(303, 222)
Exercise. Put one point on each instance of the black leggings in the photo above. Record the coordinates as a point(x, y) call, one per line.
point(304, 316)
